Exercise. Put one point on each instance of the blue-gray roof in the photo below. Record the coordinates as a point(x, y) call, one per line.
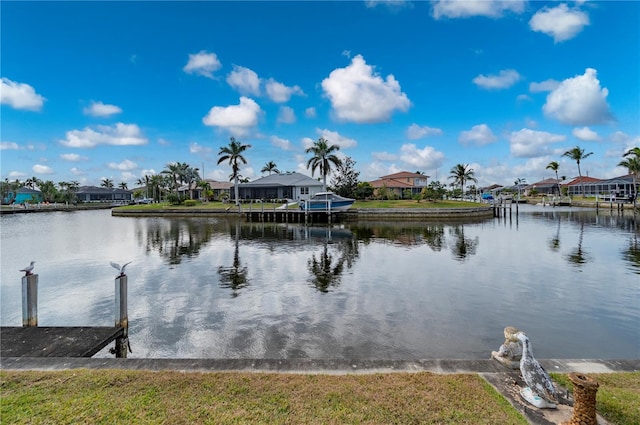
point(283, 179)
point(95, 190)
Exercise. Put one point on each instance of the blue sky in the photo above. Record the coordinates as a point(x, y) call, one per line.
point(94, 90)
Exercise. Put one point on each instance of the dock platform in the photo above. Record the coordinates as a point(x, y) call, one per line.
point(32, 341)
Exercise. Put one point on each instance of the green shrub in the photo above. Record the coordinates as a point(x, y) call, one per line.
point(190, 203)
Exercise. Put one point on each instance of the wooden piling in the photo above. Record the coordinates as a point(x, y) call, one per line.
point(30, 300)
point(121, 315)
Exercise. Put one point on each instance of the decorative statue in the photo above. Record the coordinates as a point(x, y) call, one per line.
point(510, 352)
point(540, 391)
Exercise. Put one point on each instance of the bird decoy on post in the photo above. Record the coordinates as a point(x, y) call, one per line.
point(28, 270)
point(120, 268)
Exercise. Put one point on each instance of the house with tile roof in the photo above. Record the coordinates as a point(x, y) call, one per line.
point(399, 182)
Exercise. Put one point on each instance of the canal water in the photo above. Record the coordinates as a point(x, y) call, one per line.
point(226, 288)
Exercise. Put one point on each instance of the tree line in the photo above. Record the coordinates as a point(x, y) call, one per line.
point(324, 159)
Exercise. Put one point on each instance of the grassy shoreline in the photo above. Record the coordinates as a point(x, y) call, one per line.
point(145, 397)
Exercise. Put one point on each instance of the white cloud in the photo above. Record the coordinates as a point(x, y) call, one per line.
point(479, 135)
point(528, 143)
point(310, 112)
point(72, 157)
point(359, 95)
point(4, 146)
point(586, 134)
point(115, 135)
point(559, 22)
point(335, 138)
point(125, 165)
point(196, 148)
point(579, 101)
point(392, 4)
point(377, 169)
point(283, 144)
point(468, 8)
point(523, 98)
point(163, 142)
point(42, 169)
point(426, 158)
point(203, 63)
point(547, 85)
point(417, 132)
point(16, 175)
point(307, 142)
point(384, 156)
point(99, 109)
point(77, 172)
point(505, 78)
point(127, 176)
point(244, 80)
point(20, 95)
point(150, 172)
point(237, 119)
point(286, 115)
point(281, 93)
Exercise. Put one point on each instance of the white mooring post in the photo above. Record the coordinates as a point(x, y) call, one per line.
point(121, 316)
point(30, 300)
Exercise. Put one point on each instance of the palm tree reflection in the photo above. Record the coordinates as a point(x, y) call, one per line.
point(326, 268)
point(462, 247)
point(632, 254)
point(554, 242)
point(235, 276)
point(578, 256)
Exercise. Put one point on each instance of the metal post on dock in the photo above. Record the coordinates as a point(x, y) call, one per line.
point(122, 316)
point(30, 300)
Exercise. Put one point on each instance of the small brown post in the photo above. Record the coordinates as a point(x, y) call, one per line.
point(584, 394)
point(30, 300)
point(121, 316)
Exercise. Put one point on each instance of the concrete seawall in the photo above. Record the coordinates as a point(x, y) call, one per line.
point(405, 214)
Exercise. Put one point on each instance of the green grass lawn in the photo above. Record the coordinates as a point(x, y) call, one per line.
point(141, 397)
point(171, 397)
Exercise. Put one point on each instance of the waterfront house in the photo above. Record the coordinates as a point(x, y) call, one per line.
point(22, 195)
point(104, 194)
point(398, 183)
point(620, 187)
point(293, 185)
point(544, 187)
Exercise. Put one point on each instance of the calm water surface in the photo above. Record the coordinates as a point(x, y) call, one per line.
point(223, 288)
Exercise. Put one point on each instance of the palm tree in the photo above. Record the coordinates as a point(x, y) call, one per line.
point(322, 158)
point(553, 165)
point(123, 185)
point(578, 154)
point(519, 182)
point(233, 154)
point(190, 175)
point(146, 182)
point(207, 193)
point(270, 167)
point(460, 174)
point(106, 182)
point(632, 163)
point(175, 171)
